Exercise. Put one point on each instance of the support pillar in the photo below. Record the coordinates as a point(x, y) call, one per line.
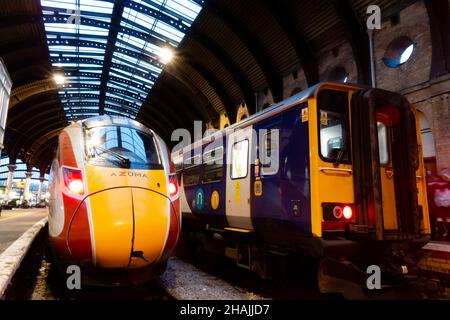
point(9, 182)
point(26, 191)
point(41, 185)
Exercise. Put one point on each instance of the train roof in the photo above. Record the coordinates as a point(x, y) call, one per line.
point(107, 120)
point(271, 110)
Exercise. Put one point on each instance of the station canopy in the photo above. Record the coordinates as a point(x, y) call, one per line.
point(107, 54)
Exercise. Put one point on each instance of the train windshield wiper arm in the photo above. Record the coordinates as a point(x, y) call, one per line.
point(124, 161)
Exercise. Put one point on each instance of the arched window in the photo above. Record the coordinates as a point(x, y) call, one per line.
point(338, 74)
point(398, 52)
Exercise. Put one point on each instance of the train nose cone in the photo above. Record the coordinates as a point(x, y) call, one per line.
point(129, 227)
point(151, 225)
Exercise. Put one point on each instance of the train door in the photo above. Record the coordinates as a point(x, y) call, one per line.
point(239, 155)
point(386, 171)
point(385, 161)
point(331, 168)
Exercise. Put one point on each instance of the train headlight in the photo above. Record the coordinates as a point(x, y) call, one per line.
point(73, 180)
point(76, 186)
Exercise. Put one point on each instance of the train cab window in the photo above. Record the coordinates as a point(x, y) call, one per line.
point(239, 160)
point(383, 143)
point(124, 147)
point(213, 161)
point(270, 152)
point(334, 138)
point(192, 170)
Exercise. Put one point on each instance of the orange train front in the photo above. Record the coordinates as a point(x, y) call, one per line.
point(114, 201)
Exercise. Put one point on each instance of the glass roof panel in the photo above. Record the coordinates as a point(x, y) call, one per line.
point(112, 74)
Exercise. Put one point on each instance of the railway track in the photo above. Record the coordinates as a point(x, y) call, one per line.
point(186, 278)
point(38, 278)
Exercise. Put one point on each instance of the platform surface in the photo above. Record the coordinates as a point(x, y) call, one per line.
point(442, 246)
point(13, 223)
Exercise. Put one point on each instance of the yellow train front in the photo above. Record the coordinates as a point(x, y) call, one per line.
point(114, 201)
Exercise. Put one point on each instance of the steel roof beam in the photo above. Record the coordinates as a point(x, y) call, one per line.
point(82, 95)
point(257, 50)
point(185, 93)
point(229, 106)
point(132, 71)
point(117, 12)
point(239, 77)
point(171, 104)
point(439, 14)
point(357, 36)
point(162, 13)
point(305, 54)
point(146, 35)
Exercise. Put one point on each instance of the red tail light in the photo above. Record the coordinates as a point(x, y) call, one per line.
point(347, 212)
point(73, 180)
point(173, 186)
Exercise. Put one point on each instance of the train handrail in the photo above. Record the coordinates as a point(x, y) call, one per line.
point(323, 169)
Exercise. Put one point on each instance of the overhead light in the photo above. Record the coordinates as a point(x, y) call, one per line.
point(59, 79)
point(166, 55)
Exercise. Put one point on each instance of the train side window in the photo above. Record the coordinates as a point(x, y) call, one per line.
point(239, 160)
point(213, 160)
point(191, 176)
point(270, 152)
point(192, 161)
point(383, 143)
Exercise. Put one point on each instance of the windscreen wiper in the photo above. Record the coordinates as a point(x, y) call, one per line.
point(124, 161)
point(342, 150)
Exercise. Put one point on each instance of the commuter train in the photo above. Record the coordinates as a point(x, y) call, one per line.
point(114, 201)
point(334, 173)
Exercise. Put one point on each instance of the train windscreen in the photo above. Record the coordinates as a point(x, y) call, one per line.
point(334, 138)
point(123, 147)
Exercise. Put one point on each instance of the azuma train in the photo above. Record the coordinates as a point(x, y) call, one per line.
point(333, 173)
point(114, 201)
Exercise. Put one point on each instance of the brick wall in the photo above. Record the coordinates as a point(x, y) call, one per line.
point(344, 58)
point(433, 99)
point(414, 23)
point(293, 82)
point(411, 78)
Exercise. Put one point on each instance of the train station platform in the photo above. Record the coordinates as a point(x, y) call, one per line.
point(436, 263)
point(13, 223)
point(18, 229)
